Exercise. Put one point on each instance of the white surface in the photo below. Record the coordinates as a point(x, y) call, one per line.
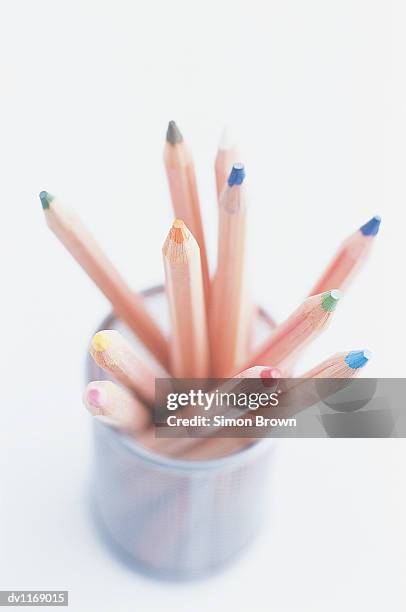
point(315, 94)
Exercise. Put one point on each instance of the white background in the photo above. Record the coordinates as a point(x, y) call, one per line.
point(314, 92)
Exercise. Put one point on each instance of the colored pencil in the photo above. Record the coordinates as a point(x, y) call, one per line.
point(177, 446)
point(184, 287)
point(340, 365)
point(128, 305)
point(210, 323)
point(183, 188)
point(229, 318)
point(227, 155)
point(303, 326)
point(114, 354)
point(349, 258)
point(117, 406)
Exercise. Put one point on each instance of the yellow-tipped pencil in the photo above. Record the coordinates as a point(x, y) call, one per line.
point(114, 354)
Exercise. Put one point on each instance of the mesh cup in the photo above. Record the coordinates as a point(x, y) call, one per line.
point(173, 518)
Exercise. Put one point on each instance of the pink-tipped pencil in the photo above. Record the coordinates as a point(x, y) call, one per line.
point(227, 155)
point(183, 188)
point(229, 318)
point(116, 406)
point(349, 258)
point(291, 336)
point(184, 288)
point(127, 305)
point(114, 354)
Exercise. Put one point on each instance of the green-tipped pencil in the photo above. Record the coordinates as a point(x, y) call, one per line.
point(127, 305)
point(303, 325)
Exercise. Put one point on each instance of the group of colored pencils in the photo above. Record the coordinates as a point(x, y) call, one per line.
point(212, 318)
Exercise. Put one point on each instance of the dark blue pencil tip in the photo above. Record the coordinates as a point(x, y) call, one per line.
point(357, 359)
point(46, 199)
point(371, 228)
point(237, 175)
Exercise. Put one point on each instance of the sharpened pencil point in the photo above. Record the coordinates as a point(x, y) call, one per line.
point(173, 133)
point(178, 232)
point(329, 300)
point(94, 397)
point(357, 359)
point(46, 199)
point(269, 375)
point(100, 342)
point(371, 228)
point(237, 175)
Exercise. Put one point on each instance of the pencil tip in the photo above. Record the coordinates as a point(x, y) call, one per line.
point(46, 199)
point(270, 374)
point(178, 232)
point(371, 228)
point(237, 175)
point(94, 397)
point(173, 133)
point(100, 342)
point(329, 300)
point(357, 359)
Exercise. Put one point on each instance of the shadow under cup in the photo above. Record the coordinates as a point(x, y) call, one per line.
point(174, 518)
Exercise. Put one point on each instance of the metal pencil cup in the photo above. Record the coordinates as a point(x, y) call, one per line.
point(173, 518)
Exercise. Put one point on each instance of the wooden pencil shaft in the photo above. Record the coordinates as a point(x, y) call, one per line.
point(184, 285)
point(128, 305)
point(123, 410)
point(228, 312)
point(337, 366)
point(113, 353)
point(185, 200)
point(334, 368)
point(177, 446)
point(298, 330)
point(349, 258)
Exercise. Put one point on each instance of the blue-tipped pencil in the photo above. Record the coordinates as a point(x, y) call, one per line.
point(229, 319)
point(340, 365)
point(348, 259)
